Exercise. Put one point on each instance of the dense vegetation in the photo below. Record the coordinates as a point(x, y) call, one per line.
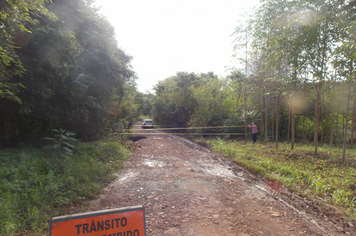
point(298, 83)
point(35, 185)
point(63, 78)
point(195, 100)
point(61, 67)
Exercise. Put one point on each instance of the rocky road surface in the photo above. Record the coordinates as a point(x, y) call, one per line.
point(188, 190)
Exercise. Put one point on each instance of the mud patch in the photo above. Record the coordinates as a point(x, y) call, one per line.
point(127, 177)
point(217, 170)
point(154, 164)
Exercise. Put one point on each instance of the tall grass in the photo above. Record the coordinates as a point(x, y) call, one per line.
point(34, 186)
point(320, 177)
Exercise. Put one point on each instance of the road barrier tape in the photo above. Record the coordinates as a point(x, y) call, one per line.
point(190, 128)
point(218, 134)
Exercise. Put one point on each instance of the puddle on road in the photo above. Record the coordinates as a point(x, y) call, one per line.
point(210, 169)
point(153, 163)
point(217, 169)
point(220, 171)
point(127, 177)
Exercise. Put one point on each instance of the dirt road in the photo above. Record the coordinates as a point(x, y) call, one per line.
point(188, 190)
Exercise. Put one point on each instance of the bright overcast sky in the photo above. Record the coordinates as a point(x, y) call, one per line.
point(168, 36)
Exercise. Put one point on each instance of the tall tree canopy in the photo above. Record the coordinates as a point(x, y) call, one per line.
point(73, 74)
point(14, 15)
point(175, 102)
point(299, 78)
point(304, 46)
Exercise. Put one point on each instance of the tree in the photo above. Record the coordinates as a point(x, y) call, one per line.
point(14, 15)
point(302, 38)
point(75, 76)
point(216, 102)
point(175, 101)
point(145, 101)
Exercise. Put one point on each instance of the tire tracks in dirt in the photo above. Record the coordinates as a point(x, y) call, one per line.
point(188, 190)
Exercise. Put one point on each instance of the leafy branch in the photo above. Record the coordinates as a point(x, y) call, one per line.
point(61, 142)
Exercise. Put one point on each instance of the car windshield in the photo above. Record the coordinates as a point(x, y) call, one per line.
point(148, 122)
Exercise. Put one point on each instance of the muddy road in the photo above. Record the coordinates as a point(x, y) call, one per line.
point(188, 190)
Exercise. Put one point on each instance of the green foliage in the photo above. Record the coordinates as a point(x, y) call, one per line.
point(303, 51)
point(323, 176)
point(145, 102)
point(34, 187)
point(175, 102)
point(76, 76)
point(216, 101)
point(14, 15)
point(61, 142)
point(197, 100)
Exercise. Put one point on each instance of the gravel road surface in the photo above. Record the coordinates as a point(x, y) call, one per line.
point(188, 190)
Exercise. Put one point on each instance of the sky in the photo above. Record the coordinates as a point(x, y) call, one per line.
point(168, 36)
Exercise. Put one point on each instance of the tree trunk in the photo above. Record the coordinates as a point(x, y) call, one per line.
point(272, 110)
point(345, 128)
point(293, 106)
point(322, 116)
point(347, 116)
point(293, 124)
point(289, 111)
point(306, 126)
point(343, 121)
point(316, 128)
point(245, 94)
point(277, 118)
point(353, 120)
point(337, 127)
point(332, 124)
point(261, 119)
point(245, 113)
point(304, 111)
point(305, 115)
point(321, 83)
point(266, 125)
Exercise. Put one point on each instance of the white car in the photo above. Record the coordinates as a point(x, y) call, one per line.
point(147, 123)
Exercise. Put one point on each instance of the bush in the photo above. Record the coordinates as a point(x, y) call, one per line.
point(34, 186)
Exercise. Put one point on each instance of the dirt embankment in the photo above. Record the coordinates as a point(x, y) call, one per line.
point(188, 190)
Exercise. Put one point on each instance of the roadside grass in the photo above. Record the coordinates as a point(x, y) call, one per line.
point(323, 177)
point(35, 186)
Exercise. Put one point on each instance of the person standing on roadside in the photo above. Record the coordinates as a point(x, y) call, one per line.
point(254, 131)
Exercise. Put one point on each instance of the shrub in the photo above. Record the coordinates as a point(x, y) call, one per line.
point(34, 185)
